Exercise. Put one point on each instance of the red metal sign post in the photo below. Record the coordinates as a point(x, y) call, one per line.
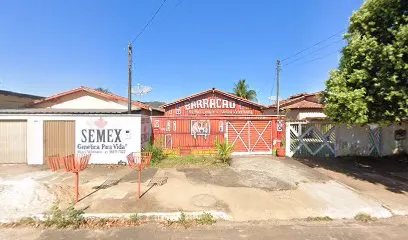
point(139, 160)
point(72, 163)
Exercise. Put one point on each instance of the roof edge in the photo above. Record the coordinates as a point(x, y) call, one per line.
point(213, 90)
point(110, 96)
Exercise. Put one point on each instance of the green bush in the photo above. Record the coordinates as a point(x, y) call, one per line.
point(206, 219)
point(319, 219)
point(274, 152)
point(134, 217)
point(64, 218)
point(363, 217)
point(157, 152)
point(224, 151)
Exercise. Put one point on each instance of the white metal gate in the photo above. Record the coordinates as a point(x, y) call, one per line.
point(13, 141)
point(310, 139)
point(374, 135)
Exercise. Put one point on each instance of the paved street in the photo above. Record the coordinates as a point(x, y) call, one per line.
point(395, 228)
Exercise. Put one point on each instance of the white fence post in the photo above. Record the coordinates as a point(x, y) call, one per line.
point(287, 140)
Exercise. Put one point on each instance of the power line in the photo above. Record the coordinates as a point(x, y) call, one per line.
point(273, 86)
point(319, 49)
point(321, 57)
point(320, 42)
point(149, 22)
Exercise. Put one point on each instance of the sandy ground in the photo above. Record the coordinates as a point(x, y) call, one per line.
point(22, 194)
point(396, 202)
point(253, 188)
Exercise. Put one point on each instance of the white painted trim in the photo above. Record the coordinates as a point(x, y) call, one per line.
point(287, 139)
point(251, 153)
point(239, 135)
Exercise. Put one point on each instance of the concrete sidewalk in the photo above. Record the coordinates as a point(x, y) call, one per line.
point(253, 188)
point(396, 202)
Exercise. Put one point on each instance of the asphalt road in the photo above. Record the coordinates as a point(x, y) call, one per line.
point(388, 229)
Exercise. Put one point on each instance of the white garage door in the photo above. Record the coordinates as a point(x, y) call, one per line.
point(13, 141)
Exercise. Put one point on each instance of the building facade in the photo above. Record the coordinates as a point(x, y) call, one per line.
point(79, 121)
point(301, 106)
point(195, 123)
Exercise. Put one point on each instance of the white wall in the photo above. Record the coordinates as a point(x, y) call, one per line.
point(35, 142)
point(355, 140)
point(389, 145)
point(35, 128)
point(352, 141)
point(124, 133)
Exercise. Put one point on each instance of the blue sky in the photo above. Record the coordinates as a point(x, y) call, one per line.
point(50, 46)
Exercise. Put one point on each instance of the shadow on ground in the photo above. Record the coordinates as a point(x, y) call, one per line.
point(130, 176)
point(383, 171)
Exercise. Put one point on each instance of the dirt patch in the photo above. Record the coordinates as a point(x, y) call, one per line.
point(23, 197)
point(287, 170)
point(225, 177)
point(263, 172)
point(263, 180)
point(128, 204)
point(228, 177)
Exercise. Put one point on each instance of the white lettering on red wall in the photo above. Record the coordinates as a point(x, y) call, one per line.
point(211, 103)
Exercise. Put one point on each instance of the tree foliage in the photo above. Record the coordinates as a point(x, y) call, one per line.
point(370, 85)
point(104, 90)
point(241, 89)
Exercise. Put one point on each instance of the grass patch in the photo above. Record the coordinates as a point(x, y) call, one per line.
point(206, 219)
point(319, 219)
point(203, 219)
point(64, 218)
point(364, 217)
point(134, 218)
point(189, 162)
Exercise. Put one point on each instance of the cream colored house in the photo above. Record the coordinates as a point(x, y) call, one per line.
point(299, 107)
point(79, 121)
point(89, 99)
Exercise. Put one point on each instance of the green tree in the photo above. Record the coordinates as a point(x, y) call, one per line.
point(104, 90)
point(241, 89)
point(370, 85)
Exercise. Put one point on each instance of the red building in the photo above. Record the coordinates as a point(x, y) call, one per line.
point(195, 122)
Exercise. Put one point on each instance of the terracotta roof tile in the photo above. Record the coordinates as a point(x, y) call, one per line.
point(110, 96)
point(215, 91)
point(304, 104)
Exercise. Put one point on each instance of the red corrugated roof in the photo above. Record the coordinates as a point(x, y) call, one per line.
point(213, 90)
point(109, 96)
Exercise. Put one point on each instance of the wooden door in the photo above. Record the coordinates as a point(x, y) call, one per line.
point(59, 138)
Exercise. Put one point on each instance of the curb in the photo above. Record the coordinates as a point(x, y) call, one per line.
point(152, 216)
point(160, 216)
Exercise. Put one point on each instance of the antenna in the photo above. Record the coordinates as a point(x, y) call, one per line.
point(141, 90)
point(272, 99)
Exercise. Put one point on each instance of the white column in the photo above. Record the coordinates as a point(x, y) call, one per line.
point(35, 141)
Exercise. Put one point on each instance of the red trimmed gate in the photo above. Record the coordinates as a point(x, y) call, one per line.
point(251, 136)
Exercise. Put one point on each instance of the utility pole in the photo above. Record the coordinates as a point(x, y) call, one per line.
point(129, 78)
point(277, 85)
